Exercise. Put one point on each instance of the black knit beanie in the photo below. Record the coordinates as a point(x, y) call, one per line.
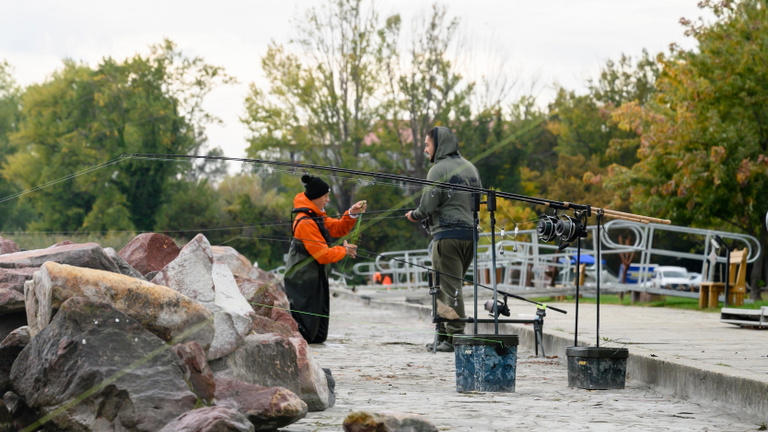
point(314, 187)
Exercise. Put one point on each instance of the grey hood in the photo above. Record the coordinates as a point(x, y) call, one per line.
point(447, 144)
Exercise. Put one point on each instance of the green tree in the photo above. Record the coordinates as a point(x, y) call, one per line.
point(320, 105)
point(260, 217)
point(192, 207)
point(13, 213)
point(704, 139)
point(424, 89)
point(626, 80)
point(85, 116)
point(591, 147)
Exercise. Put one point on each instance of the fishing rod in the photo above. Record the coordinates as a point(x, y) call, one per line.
point(557, 205)
point(371, 254)
point(504, 293)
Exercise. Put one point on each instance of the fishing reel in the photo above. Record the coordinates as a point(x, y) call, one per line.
point(501, 307)
point(546, 228)
point(565, 228)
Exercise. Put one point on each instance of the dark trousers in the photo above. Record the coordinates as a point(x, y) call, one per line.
point(451, 258)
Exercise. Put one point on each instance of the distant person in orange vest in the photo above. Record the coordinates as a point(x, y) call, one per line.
point(380, 279)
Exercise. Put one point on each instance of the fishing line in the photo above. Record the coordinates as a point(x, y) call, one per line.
point(70, 176)
point(407, 329)
point(372, 254)
point(462, 279)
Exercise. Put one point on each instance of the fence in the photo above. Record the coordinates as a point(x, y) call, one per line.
point(525, 265)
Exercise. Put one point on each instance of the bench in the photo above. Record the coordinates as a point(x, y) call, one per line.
point(737, 283)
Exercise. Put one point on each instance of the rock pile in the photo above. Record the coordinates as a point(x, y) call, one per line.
point(150, 338)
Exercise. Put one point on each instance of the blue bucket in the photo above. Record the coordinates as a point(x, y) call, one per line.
point(486, 363)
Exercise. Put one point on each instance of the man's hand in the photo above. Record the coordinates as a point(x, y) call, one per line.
point(351, 249)
point(358, 207)
point(410, 217)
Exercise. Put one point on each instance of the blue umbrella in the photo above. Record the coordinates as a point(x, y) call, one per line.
point(585, 259)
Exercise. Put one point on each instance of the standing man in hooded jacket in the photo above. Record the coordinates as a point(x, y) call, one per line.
point(306, 277)
point(448, 214)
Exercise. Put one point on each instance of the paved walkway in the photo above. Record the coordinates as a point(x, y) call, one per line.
point(377, 356)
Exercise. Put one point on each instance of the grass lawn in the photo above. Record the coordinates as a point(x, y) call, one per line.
point(665, 301)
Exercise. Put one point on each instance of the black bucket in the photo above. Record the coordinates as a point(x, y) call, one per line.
point(485, 363)
point(597, 368)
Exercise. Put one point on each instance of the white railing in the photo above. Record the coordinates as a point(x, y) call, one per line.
point(524, 264)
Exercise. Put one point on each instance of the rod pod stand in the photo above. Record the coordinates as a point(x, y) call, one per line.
point(491, 203)
point(595, 368)
point(434, 289)
point(578, 277)
point(475, 223)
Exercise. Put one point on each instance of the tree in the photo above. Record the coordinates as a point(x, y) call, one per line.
point(591, 147)
point(87, 116)
point(13, 214)
point(424, 90)
point(320, 106)
point(625, 80)
point(704, 136)
point(261, 217)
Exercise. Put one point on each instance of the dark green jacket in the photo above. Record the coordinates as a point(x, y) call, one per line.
point(448, 212)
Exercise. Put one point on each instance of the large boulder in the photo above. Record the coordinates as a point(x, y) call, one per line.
point(268, 408)
point(161, 310)
point(361, 421)
point(190, 272)
point(11, 301)
point(271, 360)
point(10, 347)
point(194, 274)
point(258, 281)
point(89, 255)
point(197, 372)
point(122, 264)
point(266, 295)
point(12, 288)
point(8, 246)
point(14, 278)
point(17, 268)
point(238, 264)
point(210, 419)
point(99, 369)
point(149, 252)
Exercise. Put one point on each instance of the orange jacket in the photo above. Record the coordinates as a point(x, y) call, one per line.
point(308, 232)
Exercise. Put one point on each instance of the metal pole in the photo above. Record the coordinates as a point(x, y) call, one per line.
point(597, 328)
point(578, 264)
point(491, 202)
point(727, 275)
point(475, 209)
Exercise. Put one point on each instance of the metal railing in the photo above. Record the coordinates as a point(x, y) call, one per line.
point(525, 265)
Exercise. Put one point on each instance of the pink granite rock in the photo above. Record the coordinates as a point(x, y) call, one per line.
point(268, 408)
point(8, 246)
point(149, 252)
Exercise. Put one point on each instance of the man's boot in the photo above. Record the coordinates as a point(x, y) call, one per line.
point(440, 336)
point(444, 346)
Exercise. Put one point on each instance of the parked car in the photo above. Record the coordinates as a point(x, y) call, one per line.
point(695, 278)
point(671, 278)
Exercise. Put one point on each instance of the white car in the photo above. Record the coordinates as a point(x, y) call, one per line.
point(695, 278)
point(671, 278)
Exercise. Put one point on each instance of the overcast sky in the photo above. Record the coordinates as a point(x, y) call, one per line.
point(538, 43)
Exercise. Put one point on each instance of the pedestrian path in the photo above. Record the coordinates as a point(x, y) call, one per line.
point(681, 353)
point(377, 355)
